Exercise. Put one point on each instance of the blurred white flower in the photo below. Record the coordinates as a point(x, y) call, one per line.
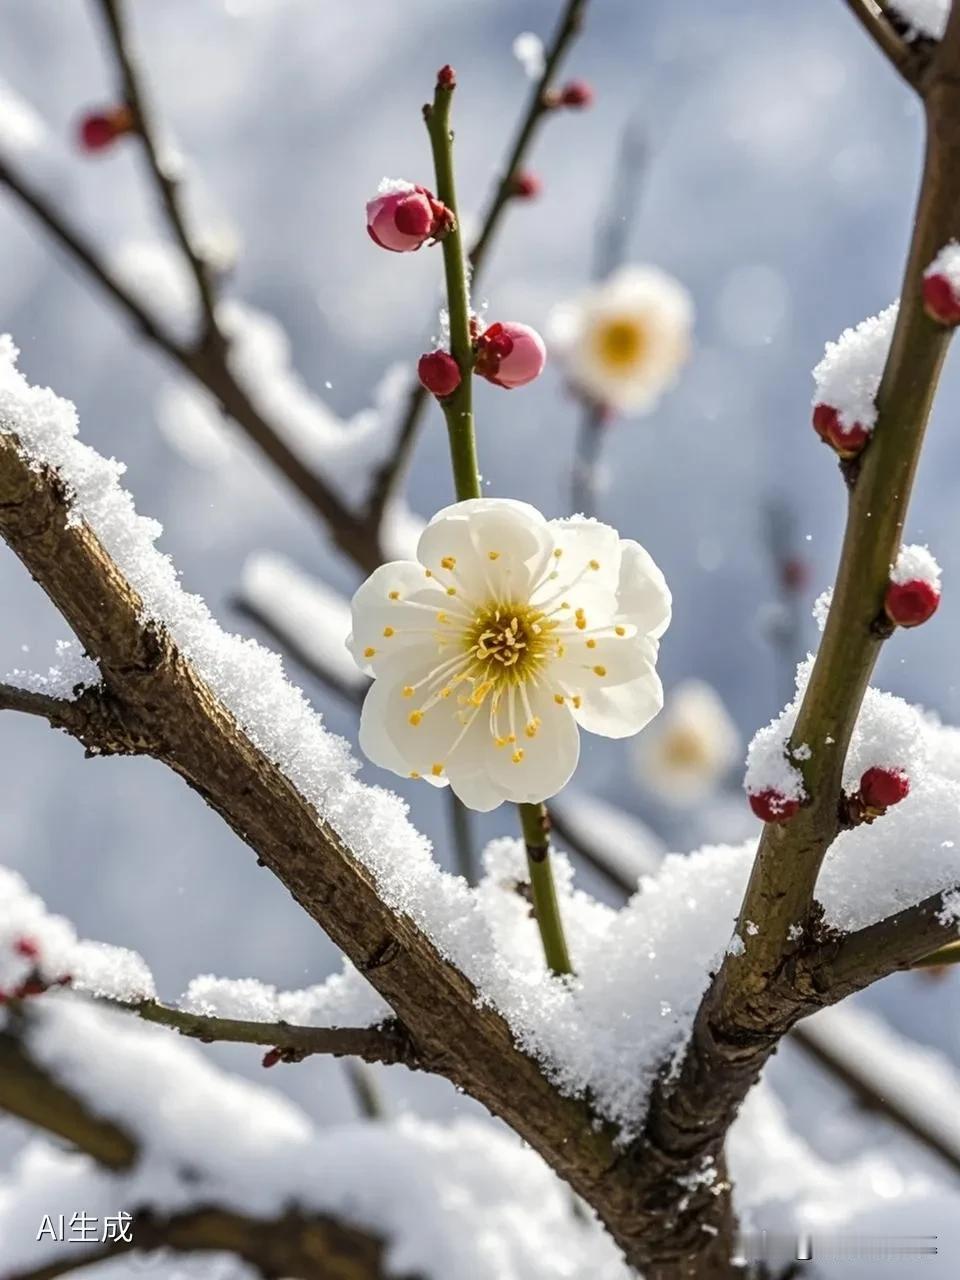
point(506, 636)
point(694, 744)
point(623, 342)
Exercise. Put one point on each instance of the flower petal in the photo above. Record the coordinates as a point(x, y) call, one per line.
point(546, 760)
point(487, 548)
point(643, 595)
point(395, 608)
point(621, 710)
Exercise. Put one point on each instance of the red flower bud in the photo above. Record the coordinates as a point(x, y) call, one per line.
point(100, 129)
point(941, 300)
point(526, 185)
point(772, 805)
point(510, 354)
point(880, 788)
point(27, 947)
point(403, 219)
point(439, 373)
point(907, 604)
point(272, 1057)
point(447, 77)
point(577, 94)
point(847, 441)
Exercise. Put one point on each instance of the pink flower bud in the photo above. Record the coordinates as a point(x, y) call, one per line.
point(772, 805)
point(100, 129)
point(880, 788)
point(439, 373)
point(447, 77)
point(577, 94)
point(404, 219)
point(847, 441)
point(908, 604)
point(940, 299)
point(510, 354)
point(526, 185)
point(27, 947)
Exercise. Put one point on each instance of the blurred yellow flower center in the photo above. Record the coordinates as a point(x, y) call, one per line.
point(685, 749)
point(620, 342)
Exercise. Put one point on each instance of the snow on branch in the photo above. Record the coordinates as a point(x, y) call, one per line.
point(204, 1138)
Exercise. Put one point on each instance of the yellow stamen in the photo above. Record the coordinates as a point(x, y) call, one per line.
point(414, 774)
point(558, 699)
point(493, 555)
point(532, 727)
point(369, 652)
point(517, 756)
point(388, 632)
point(451, 591)
point(394, 595)
point(436, 770)
point(591, 644)
point(442, 617)
point(449, 562)
point(427, 573)
point(599, 671)
point(408, 690)
point(621, 631)
point(558, 552)
point(414, 718)
point(577, 701)
point(594, 564)
point(581, 620)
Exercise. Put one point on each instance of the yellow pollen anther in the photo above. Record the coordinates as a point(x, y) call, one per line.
point(591, 644)
point(394, 595)
point(436, 770)
point(581, 620)
point(451, 591)
point(442, 617)
point(517, 756)
point(594, 564)
point(599, 671)
point(501, 742)
point(558, 552)
point(531, 729)
point(427, 573)
point(621, 631)
point(414, 718)
point(493, 555)
point(369, 652)
point(558, 699)
point(388, 632)
point(445, 693)
point(408, 690)
point(481, 691)
point(577, 701)
point(414, 774)
point(449, 562)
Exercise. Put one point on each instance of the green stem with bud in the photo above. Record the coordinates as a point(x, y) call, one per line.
point(458, 411)
point(546, 908)
point(457, 407)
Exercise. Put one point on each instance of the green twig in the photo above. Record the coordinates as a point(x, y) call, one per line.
point(458, 407)
point(536, 828)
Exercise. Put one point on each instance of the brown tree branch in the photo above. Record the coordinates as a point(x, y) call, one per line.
point(165, 181)
point(297, 1245)
point(207, 365)
point(167, 704)
point(911, 62)
point(94, 718)
point(388, 1043)
point(845, 1069)
point(387, 479)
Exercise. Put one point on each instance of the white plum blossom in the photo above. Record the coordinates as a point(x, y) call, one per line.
point(623, 341)
point(692, 746)
point(506, 636)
